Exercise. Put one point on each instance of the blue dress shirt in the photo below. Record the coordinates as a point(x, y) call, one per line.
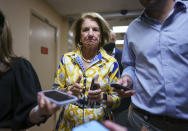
point(156, 58)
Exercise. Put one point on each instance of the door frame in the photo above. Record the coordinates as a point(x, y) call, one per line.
point(45, 20)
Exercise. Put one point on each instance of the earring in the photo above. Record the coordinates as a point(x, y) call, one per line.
point(79, 45)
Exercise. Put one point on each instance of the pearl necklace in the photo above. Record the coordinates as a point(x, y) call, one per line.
point(86, 60)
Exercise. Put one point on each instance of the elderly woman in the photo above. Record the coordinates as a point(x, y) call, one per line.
point(19, 85)
point(87, 73)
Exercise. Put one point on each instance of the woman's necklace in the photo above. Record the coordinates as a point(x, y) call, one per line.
point(86, 60)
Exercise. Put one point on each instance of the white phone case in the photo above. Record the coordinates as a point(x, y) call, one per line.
point(59, 98)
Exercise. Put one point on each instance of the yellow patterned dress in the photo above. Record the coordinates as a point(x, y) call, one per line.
point(70, 68)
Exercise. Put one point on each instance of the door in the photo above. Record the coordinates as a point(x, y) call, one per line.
point(43, 58)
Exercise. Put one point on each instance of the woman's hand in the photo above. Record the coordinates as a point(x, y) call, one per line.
point(95, 95)
point(75, 89)
point(45, 107)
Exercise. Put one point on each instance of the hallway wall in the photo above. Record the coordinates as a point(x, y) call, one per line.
point(18, 13)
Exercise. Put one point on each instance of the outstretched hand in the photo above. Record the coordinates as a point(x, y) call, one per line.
point(45, 106)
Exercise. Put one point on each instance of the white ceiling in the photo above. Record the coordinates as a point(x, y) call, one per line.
point(110, 9)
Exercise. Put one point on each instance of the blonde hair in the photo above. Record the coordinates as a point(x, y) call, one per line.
point(103, 24)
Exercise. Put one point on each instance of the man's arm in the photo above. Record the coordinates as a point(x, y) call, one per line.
point(128, 75)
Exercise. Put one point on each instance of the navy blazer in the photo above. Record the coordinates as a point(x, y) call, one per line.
point(118, 56)
point(125, 102)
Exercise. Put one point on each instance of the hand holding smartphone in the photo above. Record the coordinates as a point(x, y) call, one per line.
point(119, 87)
point(59, 98)
point(93, 86)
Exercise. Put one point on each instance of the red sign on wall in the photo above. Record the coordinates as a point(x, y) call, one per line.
point(44, 50)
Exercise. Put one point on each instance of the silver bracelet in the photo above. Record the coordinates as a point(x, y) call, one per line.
point(35, 110)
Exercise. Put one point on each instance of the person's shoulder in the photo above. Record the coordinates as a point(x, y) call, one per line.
point(135, 21)
point(18, 61)
point(106, 56)
point(21, 65)
point(118, 53)
point(186, 3)
point(66, 57)
point(71, 53)
point(109, 46)
point(118, 50)
point(134, 25)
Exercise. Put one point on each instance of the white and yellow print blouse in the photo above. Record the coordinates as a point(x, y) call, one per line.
point(70, 68)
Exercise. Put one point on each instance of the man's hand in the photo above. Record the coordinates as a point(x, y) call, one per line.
point(127, 82)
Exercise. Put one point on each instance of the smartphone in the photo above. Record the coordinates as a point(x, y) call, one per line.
point(93, 86)
point(59, 98)
point(119, 87)
point(91, 126)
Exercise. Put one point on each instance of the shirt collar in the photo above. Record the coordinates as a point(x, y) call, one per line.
point(96, 58)
point(179, 5)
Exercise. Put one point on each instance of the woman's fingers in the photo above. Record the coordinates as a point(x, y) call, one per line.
point(76, 89)
point(50, 107)
point(94, 95)
point(45, 106)
point(79, 79)
point(41, 101)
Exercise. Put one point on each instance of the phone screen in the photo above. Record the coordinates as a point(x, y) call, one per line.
point(57, 96)
point(91, 126)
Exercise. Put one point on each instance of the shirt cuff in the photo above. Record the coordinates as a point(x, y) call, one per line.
point(130, 71)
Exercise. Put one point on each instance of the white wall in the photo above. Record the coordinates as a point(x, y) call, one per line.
point(18, 15)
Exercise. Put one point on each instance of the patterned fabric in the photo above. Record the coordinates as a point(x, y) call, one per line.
point(70, 68)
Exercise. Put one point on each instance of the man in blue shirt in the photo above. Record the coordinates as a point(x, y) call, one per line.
point(155, 61)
